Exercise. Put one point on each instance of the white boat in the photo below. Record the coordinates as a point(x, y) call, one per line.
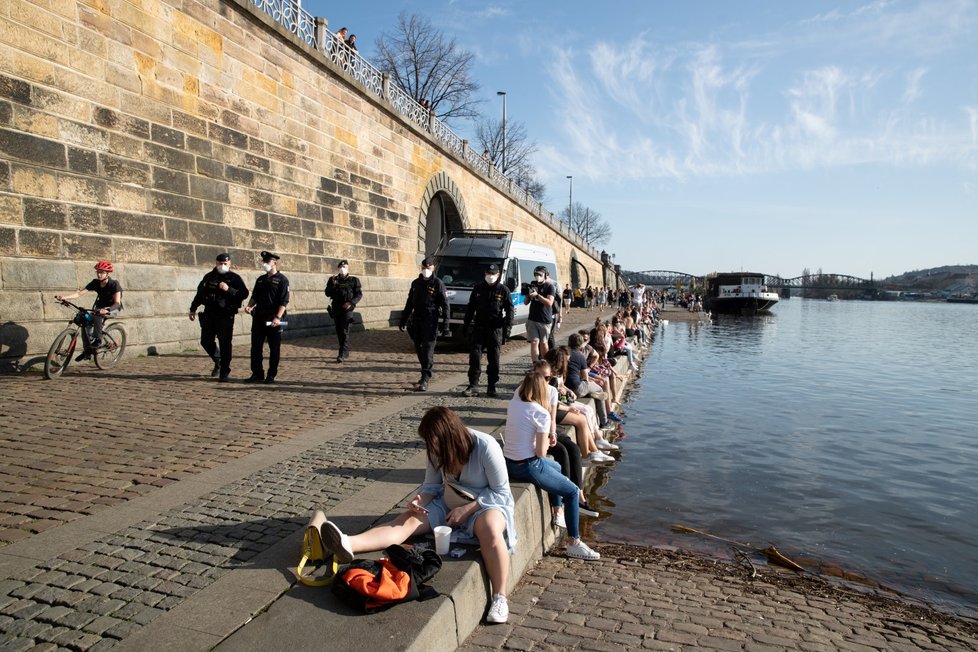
point(738, 293)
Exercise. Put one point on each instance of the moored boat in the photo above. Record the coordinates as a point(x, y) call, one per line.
point(738, 293)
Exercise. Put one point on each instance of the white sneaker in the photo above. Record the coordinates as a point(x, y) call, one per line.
point(580, 550)
point(598, 456)
point(605, 445)
point(559, 518)
point(338, 542)
point(499, 611)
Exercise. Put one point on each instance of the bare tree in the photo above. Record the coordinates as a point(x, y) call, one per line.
point(519, 149)
point(588, 224)
point(429, 66)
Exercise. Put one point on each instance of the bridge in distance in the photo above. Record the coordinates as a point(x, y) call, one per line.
point(666, 278)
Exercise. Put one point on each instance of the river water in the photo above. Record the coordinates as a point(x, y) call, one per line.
point(843, 433)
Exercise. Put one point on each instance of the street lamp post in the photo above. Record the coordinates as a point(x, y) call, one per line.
point(503, 94)
point(570, 203)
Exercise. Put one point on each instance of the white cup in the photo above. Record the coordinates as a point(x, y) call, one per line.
point(443, 539)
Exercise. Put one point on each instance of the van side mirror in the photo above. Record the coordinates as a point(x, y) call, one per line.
point(511, 284)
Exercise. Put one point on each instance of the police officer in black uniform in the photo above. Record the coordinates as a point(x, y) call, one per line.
point(269, 300)
point(426, 299)
point(489, 319)
point(221, 292)
point(344, 293)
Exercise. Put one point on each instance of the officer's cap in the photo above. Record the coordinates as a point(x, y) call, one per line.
point(343, 262)
point(428, 262)
point(267, 255)
point(223, 258)
point(494, 268)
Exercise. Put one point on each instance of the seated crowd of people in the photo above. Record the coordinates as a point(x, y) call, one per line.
point(467, 475)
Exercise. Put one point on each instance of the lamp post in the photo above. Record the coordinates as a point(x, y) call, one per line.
point(570, 203)
point(503, 94)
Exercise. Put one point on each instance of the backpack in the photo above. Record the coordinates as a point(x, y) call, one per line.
point(314, 551)
point(372, 585)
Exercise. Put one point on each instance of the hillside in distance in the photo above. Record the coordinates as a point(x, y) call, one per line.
point(948, 278)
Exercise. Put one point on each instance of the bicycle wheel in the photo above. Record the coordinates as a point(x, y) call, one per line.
point(113, 346)
point(59, 355)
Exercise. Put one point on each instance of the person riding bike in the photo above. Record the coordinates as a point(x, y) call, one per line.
point(108, 303)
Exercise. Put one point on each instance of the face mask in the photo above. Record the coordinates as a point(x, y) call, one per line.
point(427, 273)
point(491, 278)
point(538, 278)
point(266, 266)
point(223, 269)
point(344, 271)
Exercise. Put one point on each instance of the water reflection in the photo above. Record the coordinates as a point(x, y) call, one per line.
point(832, 430)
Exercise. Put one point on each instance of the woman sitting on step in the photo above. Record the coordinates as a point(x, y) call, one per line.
point(459, 458)
point(529, 433)
point(582, 417)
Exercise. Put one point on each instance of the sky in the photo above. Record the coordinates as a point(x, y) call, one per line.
point(722, 136)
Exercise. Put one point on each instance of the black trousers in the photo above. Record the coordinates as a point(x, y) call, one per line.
point(217, 326)
point(567, 454)
point(489, 340)
point(342, 319)
point(424, 334)
point(259, 334)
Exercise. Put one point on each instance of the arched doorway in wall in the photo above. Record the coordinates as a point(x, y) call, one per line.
point(442, 210)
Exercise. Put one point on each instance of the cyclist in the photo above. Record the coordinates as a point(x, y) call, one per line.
point(108, 303)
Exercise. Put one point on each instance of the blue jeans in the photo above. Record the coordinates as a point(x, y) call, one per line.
point(545, 473)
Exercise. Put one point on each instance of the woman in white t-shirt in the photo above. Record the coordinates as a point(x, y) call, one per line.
point(529, 433)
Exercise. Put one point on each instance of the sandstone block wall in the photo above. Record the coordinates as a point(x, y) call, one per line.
point(158, 133)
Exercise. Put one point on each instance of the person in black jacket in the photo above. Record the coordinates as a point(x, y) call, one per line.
point(221, 292)
point(269, 300)
point(344, 293)
point(426, 301)
point(488, 319)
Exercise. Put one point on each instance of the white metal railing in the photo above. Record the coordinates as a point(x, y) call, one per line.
point(313, 32)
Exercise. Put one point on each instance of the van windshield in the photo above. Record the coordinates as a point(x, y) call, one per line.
point(463, 272)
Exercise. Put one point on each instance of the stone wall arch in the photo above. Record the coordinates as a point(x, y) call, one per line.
point(442, 209)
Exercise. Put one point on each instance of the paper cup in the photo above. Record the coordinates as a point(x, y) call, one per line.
point(443, 539)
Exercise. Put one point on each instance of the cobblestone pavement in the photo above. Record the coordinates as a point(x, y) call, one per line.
point(636, 598)
point(167, 423)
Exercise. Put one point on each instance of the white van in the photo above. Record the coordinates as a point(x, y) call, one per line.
point(461, 262)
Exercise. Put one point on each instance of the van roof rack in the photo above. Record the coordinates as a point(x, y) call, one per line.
point(477, 243)
point(477, 233)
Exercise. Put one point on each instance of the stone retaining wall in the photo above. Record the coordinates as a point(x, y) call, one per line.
point(157, 133)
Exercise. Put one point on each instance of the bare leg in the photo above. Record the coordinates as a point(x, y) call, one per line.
point(394, 532)
point(534, 350)
point(581, 431)
point(489, 528)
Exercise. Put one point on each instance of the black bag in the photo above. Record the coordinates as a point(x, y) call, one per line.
point(370, 585)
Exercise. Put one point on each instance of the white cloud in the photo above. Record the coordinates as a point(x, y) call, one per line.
point(912, 93)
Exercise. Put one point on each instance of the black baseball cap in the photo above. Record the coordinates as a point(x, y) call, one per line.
point(267, 255)
point(223, 258)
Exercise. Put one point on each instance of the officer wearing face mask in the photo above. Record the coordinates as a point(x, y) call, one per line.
point(488, 319)
point(221, 292)
point(344, 293)
point(269, 300)
point(425, 310)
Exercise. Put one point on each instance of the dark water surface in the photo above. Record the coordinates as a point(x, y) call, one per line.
point(844, 433)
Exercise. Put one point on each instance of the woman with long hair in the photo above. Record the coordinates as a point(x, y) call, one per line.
point(469, 464)
point(529, 433)
point(571, 412)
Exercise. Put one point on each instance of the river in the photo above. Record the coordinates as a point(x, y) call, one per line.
point(844, 433)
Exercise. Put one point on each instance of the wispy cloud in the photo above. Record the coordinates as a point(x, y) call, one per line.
point(638, 110)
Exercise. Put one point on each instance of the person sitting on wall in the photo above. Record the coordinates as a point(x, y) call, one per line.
point(464, 462)
point(571, 412)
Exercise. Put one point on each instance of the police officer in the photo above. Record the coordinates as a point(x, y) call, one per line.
point(269, 300)
point(489, 318)
point(344, 293)
point(221, 292)
point(426, 299)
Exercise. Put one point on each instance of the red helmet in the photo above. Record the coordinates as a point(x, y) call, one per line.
point(104, 266)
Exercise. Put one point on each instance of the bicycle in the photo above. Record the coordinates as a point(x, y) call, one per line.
point(62, 351)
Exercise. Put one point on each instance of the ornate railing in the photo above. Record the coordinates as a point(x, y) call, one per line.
point(313, 32)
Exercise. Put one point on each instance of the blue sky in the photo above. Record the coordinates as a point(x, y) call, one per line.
point(767, 136)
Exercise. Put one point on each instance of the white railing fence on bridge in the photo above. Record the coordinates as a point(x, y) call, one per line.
point(313, 32)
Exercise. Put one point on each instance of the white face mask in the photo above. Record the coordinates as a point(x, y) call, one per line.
point(538, 278)
point(266, 266)
point(344, 271)
point(492, 278)
point(223, 269)
point(427, 272)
